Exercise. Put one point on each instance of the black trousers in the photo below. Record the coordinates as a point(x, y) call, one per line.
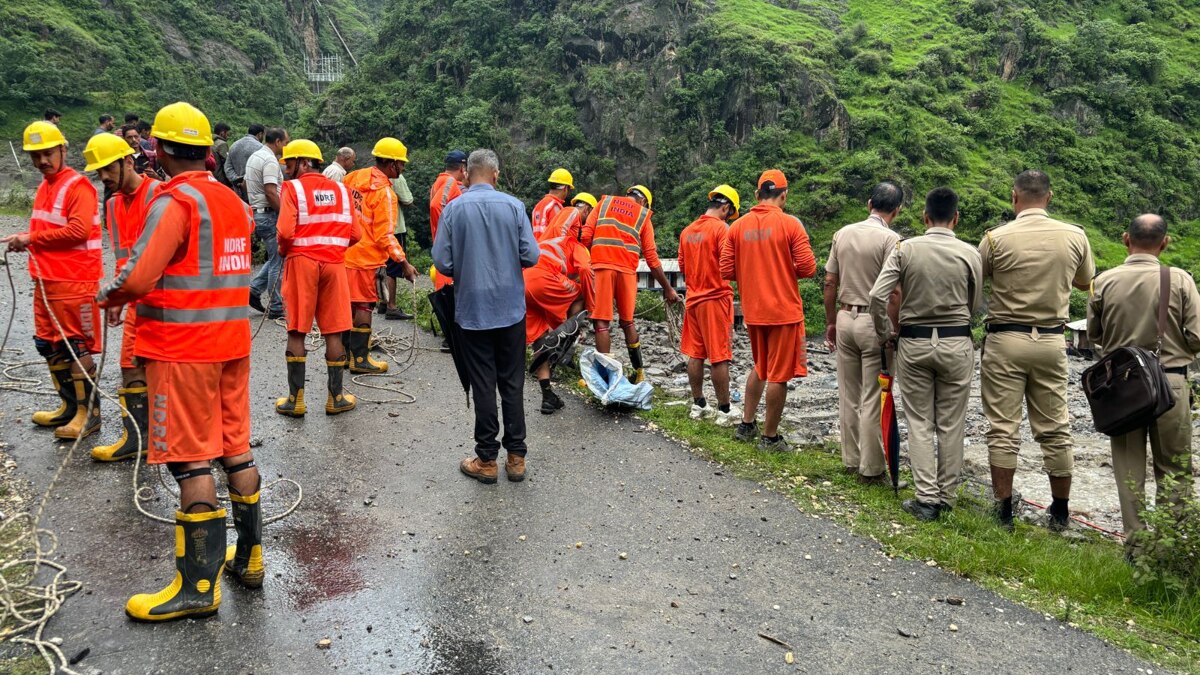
point(496, 361)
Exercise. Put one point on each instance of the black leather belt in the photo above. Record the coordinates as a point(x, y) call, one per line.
point(1020, 328)
point(855, 308)
point(927, 331)
point(1177, 370)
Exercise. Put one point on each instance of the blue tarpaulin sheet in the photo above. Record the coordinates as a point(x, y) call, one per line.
point(605, 378)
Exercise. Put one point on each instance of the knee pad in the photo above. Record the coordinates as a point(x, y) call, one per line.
point(80, 347)
point(230, 470)
point(361, 306)
point(46, 348)
point(180, 474)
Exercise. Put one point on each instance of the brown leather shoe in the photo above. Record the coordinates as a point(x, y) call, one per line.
point(484, 472)
point(514, 467)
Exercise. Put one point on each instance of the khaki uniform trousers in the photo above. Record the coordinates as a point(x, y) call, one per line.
point(1018, 367)
point(935, 377)
point(858, 368)
point(1171, 446)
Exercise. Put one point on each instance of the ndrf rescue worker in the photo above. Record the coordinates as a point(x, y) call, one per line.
point(561, 184)
point(619, 233)
point(377, 207)
point(569, 222)
point(766, 251)
point(856, 255)
point(708, 313)
point(190, 272)
point(112, 158)
point(447, 187)
point(558, 286)
point(64, 245)
point(1123, 312)
point(1033, 262)
point(316, 226)
point(942, 279)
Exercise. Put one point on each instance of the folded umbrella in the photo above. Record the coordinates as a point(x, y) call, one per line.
point(442, 301)
point(888, 423)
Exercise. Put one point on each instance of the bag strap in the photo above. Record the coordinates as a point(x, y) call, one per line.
point(1164, 296)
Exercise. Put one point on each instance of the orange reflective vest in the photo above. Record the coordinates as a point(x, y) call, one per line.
point(126, 214)
point(617, 238)
point(324, 218)
point(441, 193)
point(53, 205)
point(544, 213)
point(197, 311)
point(566, 223)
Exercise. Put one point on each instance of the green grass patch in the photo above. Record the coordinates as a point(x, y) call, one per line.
point(1086, 583)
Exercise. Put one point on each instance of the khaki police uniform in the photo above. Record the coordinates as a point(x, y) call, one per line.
point(1122, 312)
point(1032, 262)
point(942, 279)
point(856, 256)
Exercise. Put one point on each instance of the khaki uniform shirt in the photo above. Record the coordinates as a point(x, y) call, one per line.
point(856, 256)
point(1033, 262)
point(1123, 311)
point(942, 279)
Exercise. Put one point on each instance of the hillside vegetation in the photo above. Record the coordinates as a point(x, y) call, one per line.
point(681, 95)
point(239, 60)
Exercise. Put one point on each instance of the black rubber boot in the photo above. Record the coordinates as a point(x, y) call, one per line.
point(1004, 513)
point(86, 420)
point(135, 422)
point(338, 402)
point(244, 560)
point(60, 376)
point(360, 353)
point(293, 404)
point(635, 358)
point(199, 557)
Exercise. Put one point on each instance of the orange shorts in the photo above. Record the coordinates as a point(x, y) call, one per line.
point(615, 285)
point(77, 312)
point(198, 411)
point(362, 285)
point(708, 330)
point(779, 352)
point(314, 289)
point(548, 298)
point(128, 335)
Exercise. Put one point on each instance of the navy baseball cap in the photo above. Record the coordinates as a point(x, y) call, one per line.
point(456, 157)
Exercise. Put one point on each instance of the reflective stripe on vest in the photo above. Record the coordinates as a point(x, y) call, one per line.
point(321, 241)
point(55, 215)
point(557, 255)
point(210, 315)
point(121, 249)
point(303, 217)
point(446, 192)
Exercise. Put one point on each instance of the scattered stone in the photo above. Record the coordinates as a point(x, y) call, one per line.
point(521, 538)
point(789, 658)
point(953, 628)
point(527, 619)
point(807, 556)
point(324, 643)
point(905, 633)
point(956, 601)
point(732, 576)
point(675, 604)
point(623, 555)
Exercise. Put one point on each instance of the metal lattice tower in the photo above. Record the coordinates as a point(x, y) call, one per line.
point(322, 70)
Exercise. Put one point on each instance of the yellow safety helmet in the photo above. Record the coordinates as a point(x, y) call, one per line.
point(42, 135)
point(645, 193)
point(433, 274)
point(586, 198)
point(104, 149)
point(182, 123)
point(390, 148)
point(729, 193)
point(302, 148)
point(561, 177)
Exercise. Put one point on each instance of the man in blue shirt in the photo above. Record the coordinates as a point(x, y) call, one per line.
point(483, 241)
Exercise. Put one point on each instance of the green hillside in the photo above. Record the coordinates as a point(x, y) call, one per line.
point(240, 60)
point(682, 95)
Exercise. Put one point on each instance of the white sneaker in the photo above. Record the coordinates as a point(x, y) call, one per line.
point(698, 413)
point(729, 419)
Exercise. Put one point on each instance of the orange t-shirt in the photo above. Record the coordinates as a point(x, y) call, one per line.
point(445, 188)
point(765, 252)
point(700, 260)
point(566, 223)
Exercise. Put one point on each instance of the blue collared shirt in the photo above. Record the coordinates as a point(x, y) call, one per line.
point(484, 239)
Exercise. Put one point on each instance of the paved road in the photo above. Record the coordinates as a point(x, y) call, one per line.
point(440, 574)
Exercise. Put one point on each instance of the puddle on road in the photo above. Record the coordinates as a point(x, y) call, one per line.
point(317, 562)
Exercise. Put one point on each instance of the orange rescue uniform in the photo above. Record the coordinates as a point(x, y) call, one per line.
point(708, 315)
point(766, 251)
point(316, 226)
point(619, 233)
point(443, 191)
point(376, 205)
point(126, 214)
point(544, 213)
point(64, 247)
point(566, 223)
point(561, 276)
point(191, 271)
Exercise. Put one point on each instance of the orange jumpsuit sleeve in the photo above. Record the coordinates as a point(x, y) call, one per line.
point(802, 253)
point(356, 226)
point(159, 243)
point(81, 208)
point(728, 270)
point(589, 228)
point(385, 223)
point(288, 216)
point(649, 249)
point(582, 261)
point(680, 257)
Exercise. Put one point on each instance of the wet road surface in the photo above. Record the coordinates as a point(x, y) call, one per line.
point(407, 566)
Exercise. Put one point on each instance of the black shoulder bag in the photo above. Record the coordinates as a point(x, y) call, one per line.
point(1128, 388)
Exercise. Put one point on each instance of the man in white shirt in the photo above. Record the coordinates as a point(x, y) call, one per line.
point(341, 164)
point(263, 181)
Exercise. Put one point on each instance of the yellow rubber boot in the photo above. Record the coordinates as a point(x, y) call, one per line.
point(60, 375)
point(360, 353)
point(134, 419)
point(86, 420)
point(338, 401)
point(244, 560)
point(292, 405)
point(199, 559)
